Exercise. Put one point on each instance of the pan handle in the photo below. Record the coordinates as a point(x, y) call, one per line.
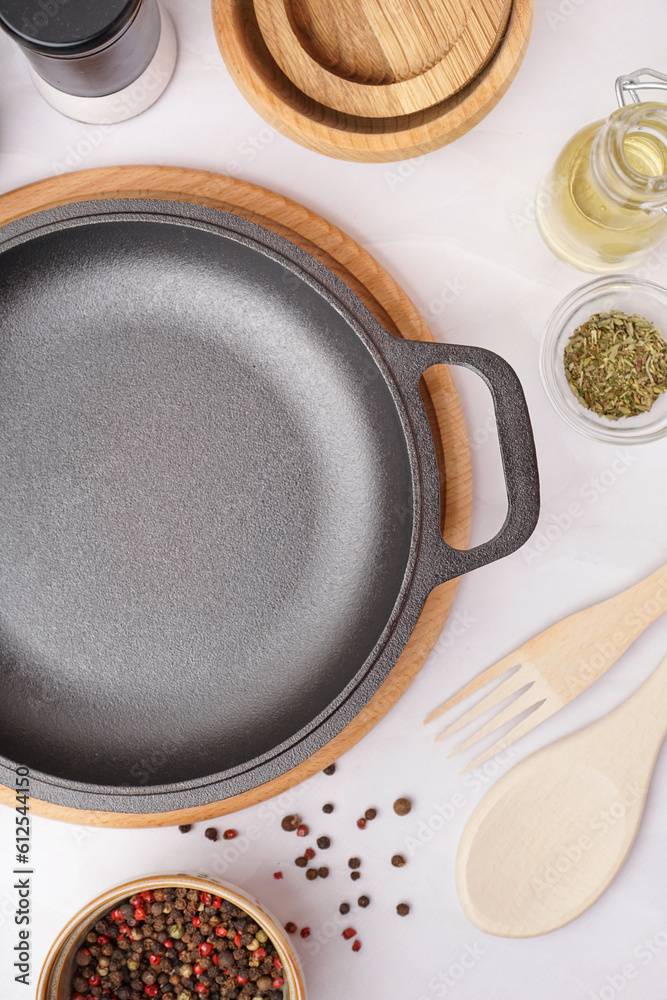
point(409, 359)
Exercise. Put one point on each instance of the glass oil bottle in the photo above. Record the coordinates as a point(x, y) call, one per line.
point(602, 205)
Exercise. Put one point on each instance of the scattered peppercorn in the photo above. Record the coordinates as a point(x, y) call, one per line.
point(302, 830)
point(211, 833)
point(398, 861)
point(309, 853)
point(348, 933)
point(230, 834)
point(290, 823)
point(328, 808)
point(355, 875)
point(323, 843)
point(354, 863)
point(356, 945)
point(277, 874)
point(323, 872)
point(290, 927)
point(301, 862)
point(361, 823)
point(363, 901)
point(305, 932)
point(371, 813)
point(185, 828)
point(402, 909)
point(311, 874)
point(331, 769)
point(344, 908)
point(402, 807)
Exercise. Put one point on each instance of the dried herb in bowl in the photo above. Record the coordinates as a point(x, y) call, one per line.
point(616, 365)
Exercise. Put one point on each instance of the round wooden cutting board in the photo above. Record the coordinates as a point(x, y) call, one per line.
point(394, 310)
point(373, 80)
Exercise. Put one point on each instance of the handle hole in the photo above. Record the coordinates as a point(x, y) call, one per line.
point(489, 491)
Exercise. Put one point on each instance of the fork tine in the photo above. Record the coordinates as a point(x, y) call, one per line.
point(527, 699)
point(488, 675)
point(511, 685)
point(541, 712)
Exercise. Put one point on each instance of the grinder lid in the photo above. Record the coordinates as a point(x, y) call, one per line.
point(66, 27)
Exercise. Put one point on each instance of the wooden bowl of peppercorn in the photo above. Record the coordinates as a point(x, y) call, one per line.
point(170, 937)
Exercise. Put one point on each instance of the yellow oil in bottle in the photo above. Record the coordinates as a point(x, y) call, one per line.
point(578, 218)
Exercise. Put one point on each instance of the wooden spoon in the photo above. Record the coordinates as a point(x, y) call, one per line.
point(549, 838)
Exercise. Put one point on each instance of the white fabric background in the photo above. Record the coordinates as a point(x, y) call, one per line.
point(457, 228)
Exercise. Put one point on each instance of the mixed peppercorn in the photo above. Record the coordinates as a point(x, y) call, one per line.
point(177, 944)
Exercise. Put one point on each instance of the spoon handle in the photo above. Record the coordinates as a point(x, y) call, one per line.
point(647, 600)
point(647, 710)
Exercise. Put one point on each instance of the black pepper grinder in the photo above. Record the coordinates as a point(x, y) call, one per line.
point(99, 61)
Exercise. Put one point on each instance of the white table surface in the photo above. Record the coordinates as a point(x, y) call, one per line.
point(456, 227)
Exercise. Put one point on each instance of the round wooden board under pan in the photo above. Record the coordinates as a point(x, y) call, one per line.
point(392, 307)
point(371, 80)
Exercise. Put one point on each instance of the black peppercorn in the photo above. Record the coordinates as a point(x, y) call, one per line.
point(290, 823)
point(211, 833)
point(301, 862)
point(328, 808)
point(398, 861)
point(323, 872)
point(402, 909)
point(330, 769)
point(344, 908)
point(185, 828)
point(354, 863)
point(355, 875)
point(370, 813)
point(323, 843)
point(311, 874)
point(363, 901)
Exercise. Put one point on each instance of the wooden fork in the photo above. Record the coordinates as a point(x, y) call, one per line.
point(558, 664)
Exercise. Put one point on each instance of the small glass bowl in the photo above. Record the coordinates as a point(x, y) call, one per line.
point(630, 295)
point(56, 976)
